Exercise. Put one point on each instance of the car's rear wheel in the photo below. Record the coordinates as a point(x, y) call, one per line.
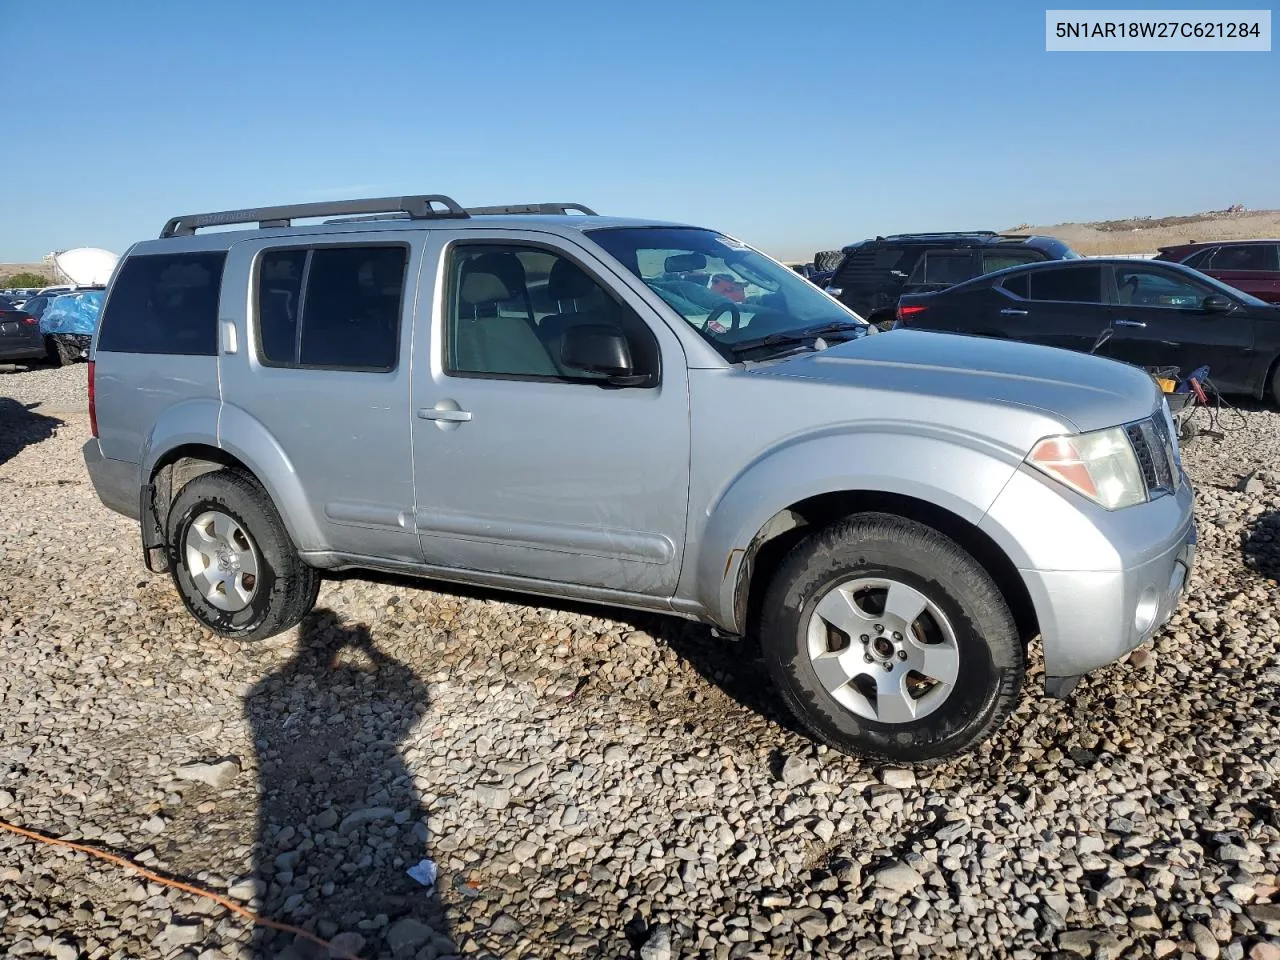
point(233, 563)
point(890, 642)
point(60, 353)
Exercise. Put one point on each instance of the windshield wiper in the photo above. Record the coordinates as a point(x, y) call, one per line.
point(796, 336)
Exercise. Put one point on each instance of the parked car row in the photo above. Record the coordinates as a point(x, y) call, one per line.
point(53, 325)
point(1154, 314)
point(1200, 304)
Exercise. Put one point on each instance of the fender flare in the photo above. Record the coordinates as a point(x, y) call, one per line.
point(223, 426)
point(955, 472)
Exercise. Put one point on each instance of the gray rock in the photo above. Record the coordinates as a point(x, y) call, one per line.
point(796, 772)
point(64, 950)
point(217, 775)
point(493, 796)
point(658, 944)
point(1206, 943)
point(181, 933)
point(327, 819)
point(616, 754)
point(898, 779)
point(897, 878)
point(247, 889)
point(504, 925)
point(406, 935)
point(1090, 943)
point(358, 818)
point(6, 799)
point(347, 944)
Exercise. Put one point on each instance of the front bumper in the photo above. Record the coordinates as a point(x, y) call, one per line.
point(1101, 582)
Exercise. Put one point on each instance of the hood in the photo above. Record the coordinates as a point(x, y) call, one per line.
point(1080, 391)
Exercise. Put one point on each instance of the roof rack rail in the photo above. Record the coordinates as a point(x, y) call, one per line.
point(419, 207)
point(515, 209)
point(940, 233)
point(532, 208)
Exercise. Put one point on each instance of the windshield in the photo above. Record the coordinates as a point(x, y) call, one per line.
point(728, 292)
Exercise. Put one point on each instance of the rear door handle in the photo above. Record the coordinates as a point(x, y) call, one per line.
point(1130, 323)
point(1012, 312)
point(445, 414)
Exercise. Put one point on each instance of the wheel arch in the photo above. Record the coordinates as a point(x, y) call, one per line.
point(243, 445)
point(789, 526)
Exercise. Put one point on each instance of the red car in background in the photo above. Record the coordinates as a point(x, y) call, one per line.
point(1249, 265)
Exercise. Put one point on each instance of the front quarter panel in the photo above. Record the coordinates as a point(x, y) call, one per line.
point(959, 473)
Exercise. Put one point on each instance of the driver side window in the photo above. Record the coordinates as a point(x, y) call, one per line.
point(510, 307)
point(1145, 287)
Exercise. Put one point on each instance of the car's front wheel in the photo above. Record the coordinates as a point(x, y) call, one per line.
point(232, 560)
point(890, 642)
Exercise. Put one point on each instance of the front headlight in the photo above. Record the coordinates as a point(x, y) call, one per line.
point(1100, 465)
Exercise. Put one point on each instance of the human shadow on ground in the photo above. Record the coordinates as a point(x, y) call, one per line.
point(21, 426)
point(1260, 544)
point(339, 818)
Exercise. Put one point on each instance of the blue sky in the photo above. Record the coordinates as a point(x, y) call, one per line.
point(794, 126)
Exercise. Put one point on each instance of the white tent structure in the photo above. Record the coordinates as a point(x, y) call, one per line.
point(83, 266)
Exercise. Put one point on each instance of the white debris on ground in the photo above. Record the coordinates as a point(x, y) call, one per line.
point(595, 783)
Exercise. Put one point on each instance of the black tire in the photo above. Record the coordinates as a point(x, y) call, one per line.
point(1275, 384)
point(59, 353)
point(825, 260)
point(991, 656)
point(286, 587)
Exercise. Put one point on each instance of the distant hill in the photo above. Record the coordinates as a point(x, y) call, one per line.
point(9, 269)
point(1149, 234)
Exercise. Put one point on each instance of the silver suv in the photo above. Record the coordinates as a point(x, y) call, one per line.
point(643, 414)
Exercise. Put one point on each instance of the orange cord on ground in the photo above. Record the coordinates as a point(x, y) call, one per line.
point(178, 885)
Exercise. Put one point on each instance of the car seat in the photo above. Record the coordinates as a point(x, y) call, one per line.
point(485, 341)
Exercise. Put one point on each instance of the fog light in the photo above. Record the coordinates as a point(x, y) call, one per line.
point(1144, 617)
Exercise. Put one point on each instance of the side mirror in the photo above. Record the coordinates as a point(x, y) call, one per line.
point(600, 348)
point(1217, 303)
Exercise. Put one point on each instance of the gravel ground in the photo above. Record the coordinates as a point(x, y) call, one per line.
point(594, 783)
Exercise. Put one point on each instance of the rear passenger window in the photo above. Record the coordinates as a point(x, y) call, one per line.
point(1072, 285)
point(331, 307)
point(991, 262)
point(164, 304)
point(944, 268)
point(1245, 256)
point(1019, 286)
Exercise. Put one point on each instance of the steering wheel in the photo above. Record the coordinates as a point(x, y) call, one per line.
point(727, 307)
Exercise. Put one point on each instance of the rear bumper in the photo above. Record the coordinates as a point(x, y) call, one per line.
point(114, 481)
point(28, 347)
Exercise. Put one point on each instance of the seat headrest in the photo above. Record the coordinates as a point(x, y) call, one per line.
point(685, 262)
point(491, 277)
point(567, 282)
point(479, 288)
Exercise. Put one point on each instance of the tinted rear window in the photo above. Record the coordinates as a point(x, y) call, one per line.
point(164, 304)
point(1074, 285)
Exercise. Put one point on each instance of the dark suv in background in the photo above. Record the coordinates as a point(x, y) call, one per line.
point(1249, 265)
point(874, 273)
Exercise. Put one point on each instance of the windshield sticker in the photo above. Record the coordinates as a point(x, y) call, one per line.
point(715, 326)
point(732, 244)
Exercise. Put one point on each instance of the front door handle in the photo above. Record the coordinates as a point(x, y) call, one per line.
point(1012, 312)
point(445, 414)
point(1130, 323)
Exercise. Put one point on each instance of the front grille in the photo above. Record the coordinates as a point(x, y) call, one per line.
point(1154, 450)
